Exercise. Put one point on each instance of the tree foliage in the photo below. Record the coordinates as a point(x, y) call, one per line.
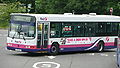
point(6, 10)
point(79, 6)
point(59, 7)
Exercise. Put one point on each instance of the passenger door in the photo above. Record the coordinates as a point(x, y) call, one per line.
point(42, 40)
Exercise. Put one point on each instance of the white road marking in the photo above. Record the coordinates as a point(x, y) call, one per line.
point(92, 54)
point(104, 54)
point(46, 65)
point(114, 55)
point(101, 54)
point(51, 57)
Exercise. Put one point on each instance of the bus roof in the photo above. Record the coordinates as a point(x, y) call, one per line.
point(73, 18)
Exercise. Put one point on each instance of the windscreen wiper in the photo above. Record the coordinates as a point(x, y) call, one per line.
point(14, 35)
point(19, 30)
point(23, 36)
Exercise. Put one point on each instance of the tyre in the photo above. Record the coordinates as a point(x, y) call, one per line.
point(54, 50)
point(101, 46)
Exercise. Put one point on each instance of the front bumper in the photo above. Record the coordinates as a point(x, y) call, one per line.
point(27, 50)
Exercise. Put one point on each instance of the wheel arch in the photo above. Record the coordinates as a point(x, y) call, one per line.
point(55, 43)
point(101, 47)
point(101, 41)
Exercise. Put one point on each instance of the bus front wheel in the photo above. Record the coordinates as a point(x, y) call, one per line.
point(54, 50)
point(101, 46)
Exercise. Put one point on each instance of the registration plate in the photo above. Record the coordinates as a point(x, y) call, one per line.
point(18, 50)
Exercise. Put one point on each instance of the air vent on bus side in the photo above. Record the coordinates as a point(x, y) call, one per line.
point(92, 14)
point(68, 14)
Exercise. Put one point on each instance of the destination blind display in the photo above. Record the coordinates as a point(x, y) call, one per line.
point(23, 18)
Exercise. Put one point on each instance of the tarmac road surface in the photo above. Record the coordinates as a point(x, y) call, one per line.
point(87, 59)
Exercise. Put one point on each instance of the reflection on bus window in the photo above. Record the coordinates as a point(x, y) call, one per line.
point(55, 29)
point(39, 26)
point(81, 29)
point(39, 30)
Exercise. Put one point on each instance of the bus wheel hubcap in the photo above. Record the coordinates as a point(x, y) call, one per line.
point(53, 49)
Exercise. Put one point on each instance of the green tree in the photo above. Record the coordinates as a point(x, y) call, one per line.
point(8, 1)
point(5, 11)
point(50, 6)
point(41, 6)
point(57, 6)
point(79, 6)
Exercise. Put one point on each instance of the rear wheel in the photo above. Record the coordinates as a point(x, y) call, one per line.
point(54, 50)
point(101, 46)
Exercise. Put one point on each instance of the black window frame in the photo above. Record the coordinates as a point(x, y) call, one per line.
point(89, 29)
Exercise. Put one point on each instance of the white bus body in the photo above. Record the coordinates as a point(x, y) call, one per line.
point(55, 33)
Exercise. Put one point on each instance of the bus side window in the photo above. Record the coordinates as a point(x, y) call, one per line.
point(106, 29)
point(78, 29)
point(67, 31)
point(89, 29)
point(115, 29)
point(119, 30)
point(55, 29)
